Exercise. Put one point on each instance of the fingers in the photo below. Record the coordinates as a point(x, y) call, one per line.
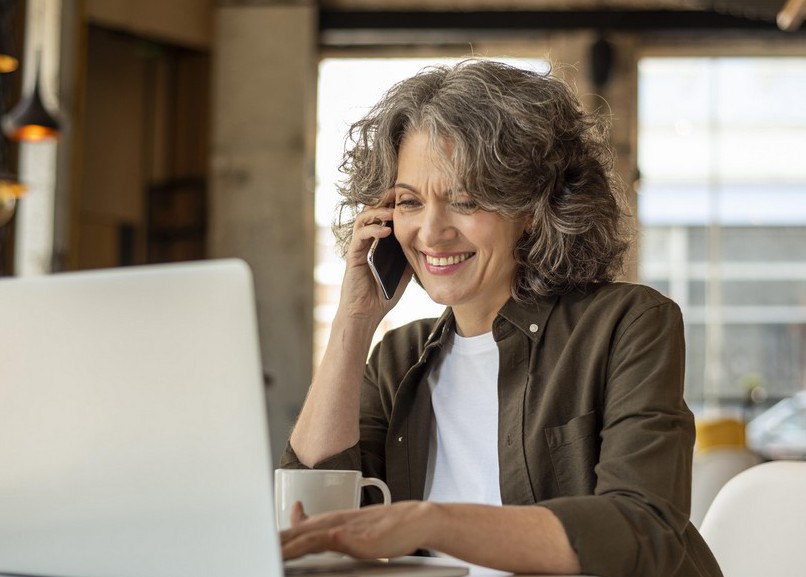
point(361, 295)
point(322, 521)
point(309, 542)
point(340, 539)
point(370, 532)
point(372, 223)
point(297, 513)
point(309, 534)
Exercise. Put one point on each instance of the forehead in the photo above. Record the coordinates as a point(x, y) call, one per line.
point(420, 154)
point(420, 173)
point(427, 161)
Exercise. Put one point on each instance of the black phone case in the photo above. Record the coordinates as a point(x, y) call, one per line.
point(388, 262)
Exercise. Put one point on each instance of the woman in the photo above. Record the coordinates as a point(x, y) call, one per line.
point(539, 424)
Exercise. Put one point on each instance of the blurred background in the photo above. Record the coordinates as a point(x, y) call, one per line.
point(153, 131)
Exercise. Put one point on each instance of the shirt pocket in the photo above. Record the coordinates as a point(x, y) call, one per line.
point(574, 450)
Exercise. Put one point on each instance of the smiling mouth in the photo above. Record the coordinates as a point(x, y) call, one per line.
point(448, 260)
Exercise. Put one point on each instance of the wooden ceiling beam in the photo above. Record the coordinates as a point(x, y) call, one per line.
point(537, 20)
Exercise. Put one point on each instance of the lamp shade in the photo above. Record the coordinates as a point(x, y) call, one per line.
point(8, 63)
point(29, 120)
point(8, 59)
point(10, 187)
point(10, 191)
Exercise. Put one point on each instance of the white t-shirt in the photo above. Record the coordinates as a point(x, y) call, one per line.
point(463, 455)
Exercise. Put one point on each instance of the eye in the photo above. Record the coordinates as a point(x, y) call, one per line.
point(407, 203)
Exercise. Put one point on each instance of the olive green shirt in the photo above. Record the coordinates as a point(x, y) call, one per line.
point(592, 424)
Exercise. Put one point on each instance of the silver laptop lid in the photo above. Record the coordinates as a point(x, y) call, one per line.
point(133, 436)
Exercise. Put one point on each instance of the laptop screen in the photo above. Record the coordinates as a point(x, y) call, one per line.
point(133, 435)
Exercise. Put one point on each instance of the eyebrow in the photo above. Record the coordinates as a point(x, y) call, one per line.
point(445, 194)
point(406, 186)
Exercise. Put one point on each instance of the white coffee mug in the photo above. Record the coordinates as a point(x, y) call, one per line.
point(320, 491)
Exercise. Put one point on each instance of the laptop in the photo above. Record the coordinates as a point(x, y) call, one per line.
point(133, 432)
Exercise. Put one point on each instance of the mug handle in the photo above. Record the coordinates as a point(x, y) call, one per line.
point(373, 482)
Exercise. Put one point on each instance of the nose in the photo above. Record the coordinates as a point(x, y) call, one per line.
point(436, 226)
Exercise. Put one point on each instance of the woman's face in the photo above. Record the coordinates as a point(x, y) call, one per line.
point(463, 256)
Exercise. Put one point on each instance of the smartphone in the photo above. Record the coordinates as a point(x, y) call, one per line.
point(387, 263)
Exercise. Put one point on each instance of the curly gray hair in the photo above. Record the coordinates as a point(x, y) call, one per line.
point(522, 145)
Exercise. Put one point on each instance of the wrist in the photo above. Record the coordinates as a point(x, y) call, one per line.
point(352, 332)
point(433, 518)
point(356, 320)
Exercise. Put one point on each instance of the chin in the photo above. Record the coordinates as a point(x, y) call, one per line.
point(441, 297)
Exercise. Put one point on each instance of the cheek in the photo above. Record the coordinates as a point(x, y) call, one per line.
point(500, 237)
point(506, 243)
point(402, 231)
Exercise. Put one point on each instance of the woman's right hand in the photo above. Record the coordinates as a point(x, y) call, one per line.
point(328, 422)
point(361, 296)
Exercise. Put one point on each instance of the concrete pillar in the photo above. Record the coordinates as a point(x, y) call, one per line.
point(617, 98)
point(261, 180)
point(621, 93)
point(38, 161)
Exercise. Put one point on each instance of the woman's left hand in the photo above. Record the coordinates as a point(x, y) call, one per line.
point(374, 532)
point(515, 538)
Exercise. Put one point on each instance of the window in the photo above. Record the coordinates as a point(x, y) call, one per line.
point(722, 206)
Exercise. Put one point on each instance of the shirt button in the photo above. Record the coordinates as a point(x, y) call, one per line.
point(533, 328)
point(400, 439)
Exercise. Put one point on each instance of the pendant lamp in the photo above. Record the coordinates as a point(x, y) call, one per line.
point(10, 187)
point(8, 61)
point(10, 191)
point(29, 120)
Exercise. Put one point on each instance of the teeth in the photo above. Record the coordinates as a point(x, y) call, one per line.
point(447, 260)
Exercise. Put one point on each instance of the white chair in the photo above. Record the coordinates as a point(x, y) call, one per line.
point(757, 523)
point(711, 469)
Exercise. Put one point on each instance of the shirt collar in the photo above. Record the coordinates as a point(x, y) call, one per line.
point(529, 318)
point(442, 328)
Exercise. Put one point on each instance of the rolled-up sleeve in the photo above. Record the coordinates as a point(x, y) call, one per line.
point(350, 459)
